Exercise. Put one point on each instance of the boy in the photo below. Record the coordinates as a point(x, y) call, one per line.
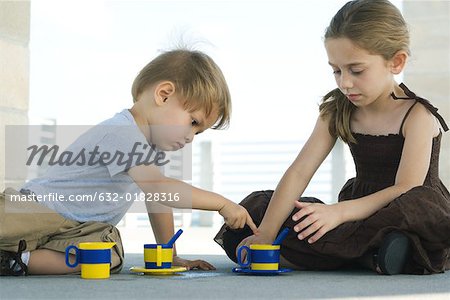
point(179, 94)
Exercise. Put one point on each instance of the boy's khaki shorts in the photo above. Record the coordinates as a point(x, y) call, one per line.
point(43, 228)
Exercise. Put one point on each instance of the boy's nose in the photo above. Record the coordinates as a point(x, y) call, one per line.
point(188, 139)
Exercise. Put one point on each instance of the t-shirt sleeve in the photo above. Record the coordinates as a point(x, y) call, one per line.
point(121, 148)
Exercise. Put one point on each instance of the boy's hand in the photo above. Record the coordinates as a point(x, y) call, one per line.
point(192, 264)
point(236, 216)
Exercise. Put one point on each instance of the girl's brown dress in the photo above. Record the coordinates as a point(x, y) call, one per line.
point(423, 213)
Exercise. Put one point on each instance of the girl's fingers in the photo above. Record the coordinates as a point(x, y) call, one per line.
point(300, 204)
point(304, 210)
point(305, 223)
point(310, 230)
point(297, 216)
point(320, 233)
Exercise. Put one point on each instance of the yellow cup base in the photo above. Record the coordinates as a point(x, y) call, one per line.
point(264, 267)
point(158, 255)
point(95, 271)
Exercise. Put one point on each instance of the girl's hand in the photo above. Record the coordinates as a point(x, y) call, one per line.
point(236, 216)
point(192, 264)
point(319, 219)
point(254, 239)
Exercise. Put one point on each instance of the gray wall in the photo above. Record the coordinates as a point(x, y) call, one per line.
point(14, 69)
point(428, 72)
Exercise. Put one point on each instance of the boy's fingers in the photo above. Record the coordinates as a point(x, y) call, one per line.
point(241, 224)
point(231, 224)
point(203, 265)
point(252, 225)
point(236, 223)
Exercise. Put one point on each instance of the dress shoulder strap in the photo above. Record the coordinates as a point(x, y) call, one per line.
point(424, 102)
point(406, 116)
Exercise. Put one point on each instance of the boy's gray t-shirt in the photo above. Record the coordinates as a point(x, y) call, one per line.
point(108, 183)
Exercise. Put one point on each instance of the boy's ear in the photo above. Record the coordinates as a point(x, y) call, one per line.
point(398, 62)
point(163, 91)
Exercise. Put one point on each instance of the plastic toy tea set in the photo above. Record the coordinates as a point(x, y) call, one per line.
point(158, 258)
point(262, 259)
point(95, 258)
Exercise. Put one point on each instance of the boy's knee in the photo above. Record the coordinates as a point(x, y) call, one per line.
point(116, 261)
point(117, 252)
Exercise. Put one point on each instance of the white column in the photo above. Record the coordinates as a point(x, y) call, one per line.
point(206, 180)
point(428, 71)
point(14, 71)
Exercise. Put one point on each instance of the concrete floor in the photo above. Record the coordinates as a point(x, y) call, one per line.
point(223, 284)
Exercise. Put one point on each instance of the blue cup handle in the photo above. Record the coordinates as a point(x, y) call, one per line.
point(77, 256)
point(239, 257)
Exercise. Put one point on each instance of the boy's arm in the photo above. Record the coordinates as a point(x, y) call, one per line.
point(163, 229)
point(162, 225)
point(176, 193)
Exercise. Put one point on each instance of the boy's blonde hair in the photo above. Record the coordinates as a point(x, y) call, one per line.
point(197, 79)
point(374, 25)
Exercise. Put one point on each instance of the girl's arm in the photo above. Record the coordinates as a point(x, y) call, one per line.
point(176, 193)
point(418, 130)
point(296, 179)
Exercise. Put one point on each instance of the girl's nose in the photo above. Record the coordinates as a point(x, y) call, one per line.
point(346, 81)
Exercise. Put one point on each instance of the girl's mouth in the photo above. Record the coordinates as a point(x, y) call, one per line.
point(353, 97)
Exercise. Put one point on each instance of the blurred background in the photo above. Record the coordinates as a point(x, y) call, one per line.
point(73, 63)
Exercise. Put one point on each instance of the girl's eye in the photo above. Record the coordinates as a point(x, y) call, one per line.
point(194, 122)
point(356, 72)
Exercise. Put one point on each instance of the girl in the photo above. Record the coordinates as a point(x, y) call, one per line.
point(394, 216)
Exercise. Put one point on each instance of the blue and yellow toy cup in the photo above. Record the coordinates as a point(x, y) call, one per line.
point(263, 257)
point(94, 257)
point(158, 256)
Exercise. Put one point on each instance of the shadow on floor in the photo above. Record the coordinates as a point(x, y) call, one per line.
point(223, 284)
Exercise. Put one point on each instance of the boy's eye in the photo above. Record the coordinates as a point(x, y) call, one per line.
point(336, 72)
point(194, 122)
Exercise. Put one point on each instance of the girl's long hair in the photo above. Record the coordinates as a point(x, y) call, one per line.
point(338, 110)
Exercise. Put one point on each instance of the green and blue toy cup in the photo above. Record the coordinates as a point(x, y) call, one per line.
point(262, 257)
point(94, 258)
point(158, 256)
